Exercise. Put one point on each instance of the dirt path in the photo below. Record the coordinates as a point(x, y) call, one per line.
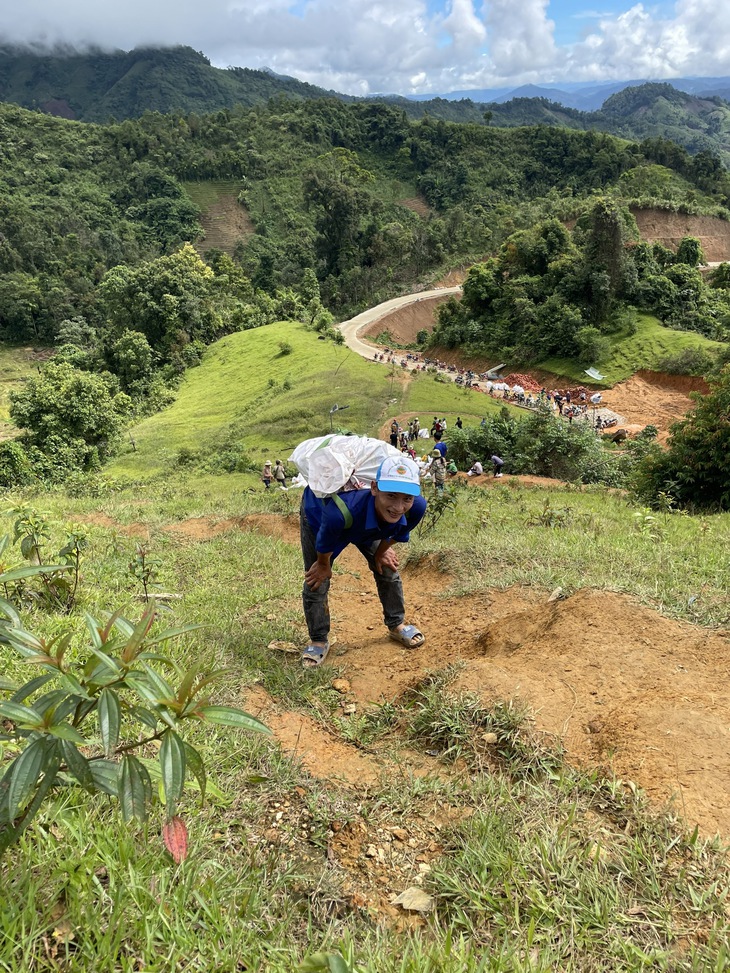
point(621, 685)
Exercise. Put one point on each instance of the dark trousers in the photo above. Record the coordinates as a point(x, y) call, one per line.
point(316, 603)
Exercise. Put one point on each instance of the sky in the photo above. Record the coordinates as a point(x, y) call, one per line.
point(404, 47)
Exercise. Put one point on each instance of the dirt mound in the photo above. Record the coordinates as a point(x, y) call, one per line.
point(618, 683)
point(651, 398)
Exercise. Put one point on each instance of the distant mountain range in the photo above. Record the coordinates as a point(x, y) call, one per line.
point(97, 86)
point(584, 95)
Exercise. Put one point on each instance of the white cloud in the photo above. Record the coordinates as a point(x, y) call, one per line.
point(364, 46)
point(520, 36)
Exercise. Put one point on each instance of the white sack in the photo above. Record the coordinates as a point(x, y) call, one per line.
point(329, 462)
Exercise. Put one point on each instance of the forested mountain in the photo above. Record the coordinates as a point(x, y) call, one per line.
point(100, 86)
point(646, 111)
point(347, 205)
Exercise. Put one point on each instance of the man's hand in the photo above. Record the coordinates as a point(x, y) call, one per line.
point(386, 558)
point(320, 571)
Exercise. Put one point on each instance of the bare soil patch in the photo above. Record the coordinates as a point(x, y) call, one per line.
point(405, 323)
point(416, 204)
point(618, 683)
point(659, 226)
point(225, 223)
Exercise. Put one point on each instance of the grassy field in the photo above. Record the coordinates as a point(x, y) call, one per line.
point(645, 349)
point(238, 398)
point(533, 866)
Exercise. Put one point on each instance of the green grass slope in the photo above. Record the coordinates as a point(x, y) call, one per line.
point(643, 350)
point(238, 396)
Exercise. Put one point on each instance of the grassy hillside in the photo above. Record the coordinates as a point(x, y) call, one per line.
point(645, 349)
point(287, 860)
point(236, 400)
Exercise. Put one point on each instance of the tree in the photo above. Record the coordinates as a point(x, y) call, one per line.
point(132, 360)
point(73, 407)
point(695, 468)
point(690, 251)
point(170, 300)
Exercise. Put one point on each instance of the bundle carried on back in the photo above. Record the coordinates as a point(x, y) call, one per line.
point(336, 464)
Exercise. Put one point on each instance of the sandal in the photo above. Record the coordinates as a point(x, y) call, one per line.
point(409, 636)
point(314, 655)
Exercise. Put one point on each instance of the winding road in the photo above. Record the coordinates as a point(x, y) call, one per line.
point(350, 329)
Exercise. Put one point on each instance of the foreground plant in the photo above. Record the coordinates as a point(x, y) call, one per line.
point(108, 722)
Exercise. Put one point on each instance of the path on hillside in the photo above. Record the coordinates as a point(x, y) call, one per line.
point(352, 328)
point(646, 398)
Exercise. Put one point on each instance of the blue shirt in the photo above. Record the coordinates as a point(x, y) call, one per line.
point(328, 523)
point(442, 448)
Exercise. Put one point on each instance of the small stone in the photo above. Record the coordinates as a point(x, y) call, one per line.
point(595, 727)
point(490, 738)
point(555, 595)
point(341, 685)
point(349, 709)
point(372, 851)
point(399, 833)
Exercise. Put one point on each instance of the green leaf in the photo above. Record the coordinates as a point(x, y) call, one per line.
point(32, 571)
point(28, 688)
point(22, 715)
point(105, 774)
point(162, 686)
point(7, 686)
point(78, 765)
point(135, 640)
point(25, 772)
point(135, 788)
point(172, 762)
point(110, 719)
point(64, 731)
point(7, 608)
point(94, 628)
point(229, 716)
point(11, 833)
point(71, 683)
point(146, 716)
point(195, 762)
point(173, 633)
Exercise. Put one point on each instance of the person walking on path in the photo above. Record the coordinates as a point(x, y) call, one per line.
point(373, 520)
point(394, 433)
point(266, 474)
point(459, 424)
point(280, 475)
point(497, 463)
point(438, 471)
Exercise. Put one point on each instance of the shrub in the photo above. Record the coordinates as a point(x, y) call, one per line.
point(79, 721)
point(16, 468)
